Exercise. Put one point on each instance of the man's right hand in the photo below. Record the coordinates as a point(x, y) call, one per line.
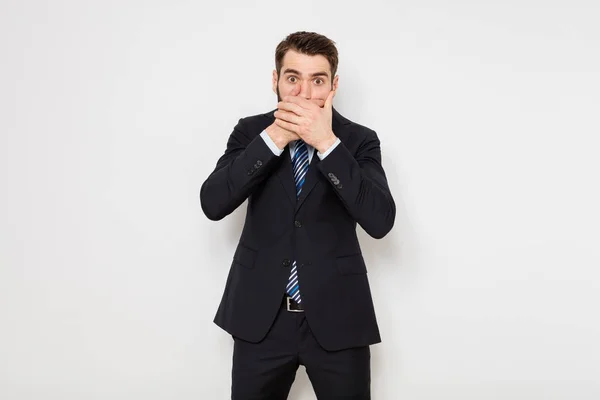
point(281, 137)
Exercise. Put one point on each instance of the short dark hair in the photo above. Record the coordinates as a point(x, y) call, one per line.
point(309, 43)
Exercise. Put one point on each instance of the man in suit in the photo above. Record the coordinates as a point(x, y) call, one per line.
point(297, 292)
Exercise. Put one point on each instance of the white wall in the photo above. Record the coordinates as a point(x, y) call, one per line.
point(113, 114)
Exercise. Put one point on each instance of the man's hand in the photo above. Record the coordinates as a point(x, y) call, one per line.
point(280, 136)
point(307, 120)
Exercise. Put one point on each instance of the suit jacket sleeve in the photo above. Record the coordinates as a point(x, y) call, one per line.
point(361, 184)
point(246, 163)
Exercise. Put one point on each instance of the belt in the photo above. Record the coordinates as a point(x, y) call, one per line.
point(292, 305)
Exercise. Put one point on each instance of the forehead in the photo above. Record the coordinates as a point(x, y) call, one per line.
point(304, 63)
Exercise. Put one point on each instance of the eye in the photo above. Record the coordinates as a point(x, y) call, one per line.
point(319, 81)
point(292, 79)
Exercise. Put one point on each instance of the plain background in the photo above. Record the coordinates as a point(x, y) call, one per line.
point(114, 112)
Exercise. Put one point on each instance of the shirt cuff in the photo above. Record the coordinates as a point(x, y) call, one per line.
point(329, 150)
point(276, 150)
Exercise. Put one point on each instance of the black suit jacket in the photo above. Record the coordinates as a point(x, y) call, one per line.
point(318, 230)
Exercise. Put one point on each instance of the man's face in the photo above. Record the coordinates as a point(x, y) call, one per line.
point(305, 76)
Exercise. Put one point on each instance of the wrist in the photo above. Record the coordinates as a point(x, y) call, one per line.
point(327, 143)
point(279, 140)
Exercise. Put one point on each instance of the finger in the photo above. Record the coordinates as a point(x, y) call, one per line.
point(286, 125)
point(299, 101)
point(329, 101)
point(319, 102)
point(288, 116)
point(292, 107)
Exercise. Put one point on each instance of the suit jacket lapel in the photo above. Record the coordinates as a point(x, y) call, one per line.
point(311, 180)
point(286, 175)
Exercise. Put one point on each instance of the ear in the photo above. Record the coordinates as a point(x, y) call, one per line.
point(335, 82)
point(274, 81)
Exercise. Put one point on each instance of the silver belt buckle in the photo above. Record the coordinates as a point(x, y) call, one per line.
point(288, 301)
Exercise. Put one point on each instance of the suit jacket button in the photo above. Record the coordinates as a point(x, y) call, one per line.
point(339, 186)
point(286, 262)
point(331, 175)
point(250, 171)
point(298, 224)
point(259, 163)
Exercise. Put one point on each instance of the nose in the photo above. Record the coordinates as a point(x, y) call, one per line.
point(305, 90)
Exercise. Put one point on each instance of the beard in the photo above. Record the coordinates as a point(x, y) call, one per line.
point(278, 95)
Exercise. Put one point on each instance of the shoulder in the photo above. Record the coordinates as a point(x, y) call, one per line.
point(255, 124)
point(352, 131)
point(267, 117)
point(248, 128)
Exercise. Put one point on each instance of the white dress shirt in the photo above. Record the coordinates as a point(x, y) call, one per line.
point(277, 151)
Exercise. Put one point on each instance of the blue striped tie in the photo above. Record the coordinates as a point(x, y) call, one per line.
point(300, 166)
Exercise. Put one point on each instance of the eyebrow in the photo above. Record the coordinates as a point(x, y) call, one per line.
point(293, 71)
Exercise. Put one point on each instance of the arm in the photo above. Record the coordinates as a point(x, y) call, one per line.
point(244, 165)
point(361, 184)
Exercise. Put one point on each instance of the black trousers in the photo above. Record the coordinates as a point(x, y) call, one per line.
point(266, 370)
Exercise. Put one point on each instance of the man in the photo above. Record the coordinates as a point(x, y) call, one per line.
point(297, 292)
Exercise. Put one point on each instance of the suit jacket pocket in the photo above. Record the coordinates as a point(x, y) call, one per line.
point(245, 256)
point(353, 264)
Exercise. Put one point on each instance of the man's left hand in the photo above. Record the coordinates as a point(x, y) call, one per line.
point(309, 121)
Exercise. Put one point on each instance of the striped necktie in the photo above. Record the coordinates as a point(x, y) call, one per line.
point(300, 166)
